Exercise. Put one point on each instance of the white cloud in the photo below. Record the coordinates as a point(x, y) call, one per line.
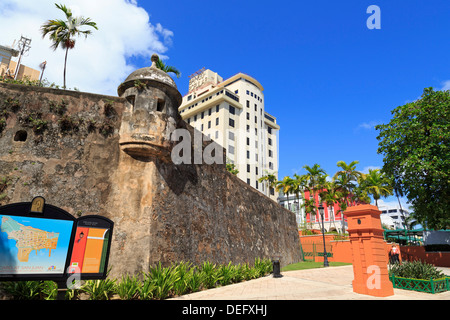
point(97, 64)
point(368, 125)
point(445, 85)
point(366, 169)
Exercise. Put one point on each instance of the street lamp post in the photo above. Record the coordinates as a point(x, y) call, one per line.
point(325, 258)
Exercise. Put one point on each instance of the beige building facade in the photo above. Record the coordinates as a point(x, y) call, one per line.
point(231, 112)
point(8, 66)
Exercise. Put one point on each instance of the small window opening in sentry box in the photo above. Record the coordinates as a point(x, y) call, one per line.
point(20, 135)
point(160, 105)
point(131, 99)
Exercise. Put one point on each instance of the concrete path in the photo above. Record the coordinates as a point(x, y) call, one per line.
point(333, 283)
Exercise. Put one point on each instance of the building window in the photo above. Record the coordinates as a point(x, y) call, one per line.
point(232, 110)
point(209, 124)
point(231, 122)
point(248, 154)
point(248, 92)
point(203, 115)
point(269, 130)
point(248, 128)
point(217, 134)
point(270, 153)
point(270, 165)
point(217, 108)
point(256, 170)
point(231, 149)
point(195, 118)
point(248, 116)
point(256, 119)
point(201, 127)
point(256, 107)
point(230, 135)
point(248, 141)
point(248, 168)
point(248, 181)
point(217, 121)
point(270, 142)
point(256, 184)
point(209, 111)
point(248, 103)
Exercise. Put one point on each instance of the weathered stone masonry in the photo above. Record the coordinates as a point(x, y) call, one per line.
point(94, 154)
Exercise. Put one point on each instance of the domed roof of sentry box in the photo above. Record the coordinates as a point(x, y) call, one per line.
point(149, 74)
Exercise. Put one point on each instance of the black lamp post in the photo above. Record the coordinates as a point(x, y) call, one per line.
point(325, 258)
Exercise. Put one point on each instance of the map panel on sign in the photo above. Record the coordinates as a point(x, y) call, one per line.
point(33, 245)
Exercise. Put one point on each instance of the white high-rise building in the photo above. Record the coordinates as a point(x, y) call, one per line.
point(231, 112)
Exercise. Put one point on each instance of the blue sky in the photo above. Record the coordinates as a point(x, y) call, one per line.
point(327, 78)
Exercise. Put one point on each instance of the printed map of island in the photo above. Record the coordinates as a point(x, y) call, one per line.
point(28, 238)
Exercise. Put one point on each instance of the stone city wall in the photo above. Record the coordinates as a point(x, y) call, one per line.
point(64, 146)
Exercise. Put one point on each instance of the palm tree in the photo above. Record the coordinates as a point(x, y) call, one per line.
point(329, 196)
point(349, 173)
point(162, 66)
point(343, 185)
point(377, 185)
point(63, 32)
point(269, 179)
point(315, 180)
point(286, 185)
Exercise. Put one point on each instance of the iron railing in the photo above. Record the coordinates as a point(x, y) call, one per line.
point(421, 285)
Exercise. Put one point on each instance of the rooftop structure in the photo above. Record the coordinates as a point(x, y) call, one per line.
point(232, 113)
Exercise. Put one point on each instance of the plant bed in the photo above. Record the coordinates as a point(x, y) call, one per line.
point(428, 286)
point(419, 276)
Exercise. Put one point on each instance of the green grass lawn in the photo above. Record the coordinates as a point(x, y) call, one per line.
point(311, 265)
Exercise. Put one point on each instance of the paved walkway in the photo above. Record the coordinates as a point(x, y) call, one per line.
point(333, 283)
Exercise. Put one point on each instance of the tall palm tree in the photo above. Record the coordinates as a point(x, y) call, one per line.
point(349, 171)
point(329, 196)
point(377, 185)
point(269, 179)
point(286, 185)
point(315, 180)
point(343, 185)
point(63, 32)
point(162, 66)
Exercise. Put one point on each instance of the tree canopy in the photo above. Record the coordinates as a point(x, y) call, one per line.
point(416, 149)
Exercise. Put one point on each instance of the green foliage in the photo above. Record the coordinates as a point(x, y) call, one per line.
point(157, 284)
point(416, 149)
point(231, 167)
point(128, 287)
point(416, 270)
point(34, 120)
point(163, 279)
point(210, 274)
point(140, 85)
point(166, 68)
point(58, 108)
point(99, 289)
point(23, 290)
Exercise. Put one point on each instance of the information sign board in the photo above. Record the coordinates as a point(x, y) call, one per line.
point(43, 242)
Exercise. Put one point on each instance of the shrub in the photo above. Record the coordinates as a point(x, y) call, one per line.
point(99, 289)
point(128, 287)
point(416, 270)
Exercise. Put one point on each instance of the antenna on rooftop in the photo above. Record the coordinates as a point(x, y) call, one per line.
point(24, 46)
